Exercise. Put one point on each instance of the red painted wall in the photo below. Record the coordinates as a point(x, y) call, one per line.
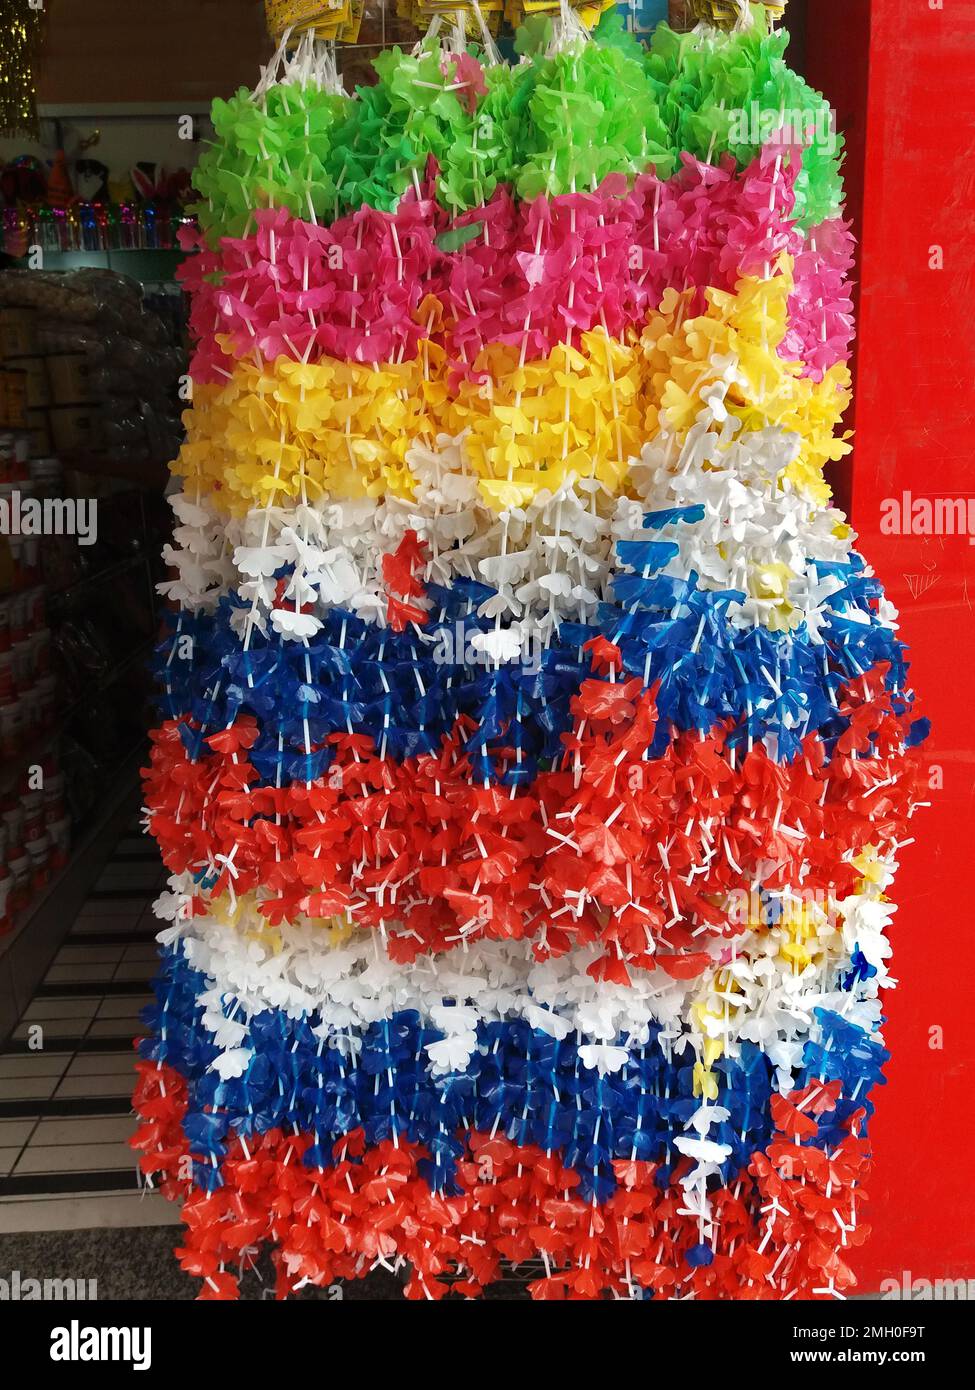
point(915, 431)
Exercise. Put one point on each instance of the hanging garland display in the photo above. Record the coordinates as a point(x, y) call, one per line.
point(20, 39)
point(536, 749)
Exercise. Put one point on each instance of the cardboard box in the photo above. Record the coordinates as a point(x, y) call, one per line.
point(15, 382)
point(35, 373)
point(39, 433)
point(70, 379)
point(74, 428)
point(17, 334)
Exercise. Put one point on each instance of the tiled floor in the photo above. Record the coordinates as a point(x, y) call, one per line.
point(66, 1073)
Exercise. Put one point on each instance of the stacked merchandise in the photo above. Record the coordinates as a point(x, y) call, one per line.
point(85, 370)
point(35, 830)
point(536, 747)
point(101, 371)
point(371, 23)
point(35, 836)
point(28, 688)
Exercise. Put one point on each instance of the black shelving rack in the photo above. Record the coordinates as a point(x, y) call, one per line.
point(37, 931)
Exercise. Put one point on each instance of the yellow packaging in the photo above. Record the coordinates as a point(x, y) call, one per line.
point(492, 12)
point(35, 375)
point(517, 11)
point(69, 377)
point(39, 433)
point(73, 429)
point(16, 398)
point(724, 14)
point(340, 20)
point(349, 31)
point(17, 334)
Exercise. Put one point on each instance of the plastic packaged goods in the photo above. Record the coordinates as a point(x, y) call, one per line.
point(35, 832)
point(103, 373)
point(536, 748)
point(85, 369)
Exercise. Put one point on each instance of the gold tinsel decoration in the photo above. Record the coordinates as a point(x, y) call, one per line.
point(20, 38)
point(330, 19)
point(725, 14)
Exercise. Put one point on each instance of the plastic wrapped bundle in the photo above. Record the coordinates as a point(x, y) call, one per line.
point(536, 747)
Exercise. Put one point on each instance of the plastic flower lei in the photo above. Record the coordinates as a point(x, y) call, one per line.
point(536, 748)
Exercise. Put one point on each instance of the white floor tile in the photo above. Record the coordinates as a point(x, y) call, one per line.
point(15, 1132)
point(83, 1006)
point(87, 1143)
point(132, 905)
point(107, 1084)
point(145, 951)
point(28, 1087)
point(71, 973)
point(135, 882)
point(33, 1064)
point(84, 1129)
point(139, 970)
point(102, 1064)
point(124, 1005)
point(109, 1210)
point(55, 1030)
point(74, 1158)
point(87, 955)
point(117, 1028)
point(103, 926)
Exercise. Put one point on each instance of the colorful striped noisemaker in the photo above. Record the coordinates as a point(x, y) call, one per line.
point(536, 748)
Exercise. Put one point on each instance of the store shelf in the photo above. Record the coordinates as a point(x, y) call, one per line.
point(150, 265)
point(24, 918)
point(90, 581)
point(152, 476)
point(139, 655)
point(33, 751)
point(27, 950)
point(13, 768)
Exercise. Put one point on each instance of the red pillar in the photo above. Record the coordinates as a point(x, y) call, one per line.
point(915, 432)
